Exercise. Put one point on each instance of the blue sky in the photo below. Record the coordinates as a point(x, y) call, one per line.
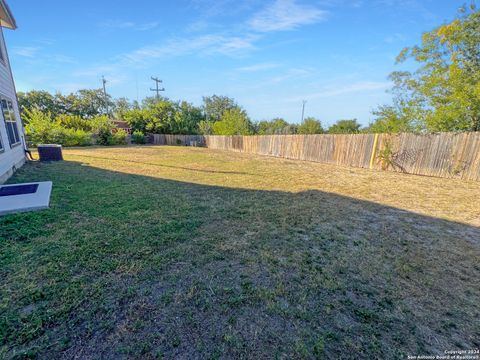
point(268, 55)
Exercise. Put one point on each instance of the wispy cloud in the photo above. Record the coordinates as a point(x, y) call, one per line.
point(145, 56)
point(280, 15)
point(197, 26)
point(209, 8)
point(205, 44)
point(258, 67)
point(63, 59)
point(343, 90)
point(26, 51)
point(120, 24)
point(394, 38)
point(284, 15)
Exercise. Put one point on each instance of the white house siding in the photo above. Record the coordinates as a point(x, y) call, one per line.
point(10, 159)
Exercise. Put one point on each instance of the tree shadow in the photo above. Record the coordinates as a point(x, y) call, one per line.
point(126, 265)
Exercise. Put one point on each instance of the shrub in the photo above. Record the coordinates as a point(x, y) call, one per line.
point(119, 137)
point(386, 156)
point(104, 136)
point(138, 137)
point(72, 137)
point(100, 122)
point(41, 128)
point(74, 122)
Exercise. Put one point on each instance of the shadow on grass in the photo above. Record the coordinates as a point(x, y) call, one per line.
point(164, 166)
point(133, 266)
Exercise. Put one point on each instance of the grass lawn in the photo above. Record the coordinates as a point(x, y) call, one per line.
point(172, 252)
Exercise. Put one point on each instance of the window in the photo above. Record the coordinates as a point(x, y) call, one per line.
point(2, 57)
point(1, 144)
point(10, 121)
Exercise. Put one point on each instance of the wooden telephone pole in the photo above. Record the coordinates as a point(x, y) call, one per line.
point(157, 88)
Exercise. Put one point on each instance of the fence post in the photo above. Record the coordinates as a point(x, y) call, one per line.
point(374, 150)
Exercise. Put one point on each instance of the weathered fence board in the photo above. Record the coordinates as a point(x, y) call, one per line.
point(450, 155)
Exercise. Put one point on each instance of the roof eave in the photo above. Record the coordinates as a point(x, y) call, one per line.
point(7, 20)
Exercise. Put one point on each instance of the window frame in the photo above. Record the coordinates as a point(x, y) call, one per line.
point(3, 55)
point(10, 120)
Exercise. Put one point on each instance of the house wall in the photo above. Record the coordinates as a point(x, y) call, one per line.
point(10, 158)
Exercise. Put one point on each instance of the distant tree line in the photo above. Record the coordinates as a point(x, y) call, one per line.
point(81, 112)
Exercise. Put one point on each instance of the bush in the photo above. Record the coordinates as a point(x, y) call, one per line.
point(138, 137)
point(104, 136)
point(74, 122)
point(41, 128)
point(119, 137)
point(72, 137)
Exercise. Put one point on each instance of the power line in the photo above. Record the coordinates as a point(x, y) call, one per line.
point(157, 88)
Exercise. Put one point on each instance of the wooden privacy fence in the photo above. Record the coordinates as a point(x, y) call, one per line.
point(450, 155)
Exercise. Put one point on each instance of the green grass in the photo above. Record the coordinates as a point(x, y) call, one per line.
point(163, 252)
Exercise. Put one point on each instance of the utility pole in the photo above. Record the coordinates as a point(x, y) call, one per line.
point(157, 89)
point(104, 83)
point(303, 109)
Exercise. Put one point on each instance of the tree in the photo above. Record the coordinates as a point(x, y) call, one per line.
point(165, 117)
point(310, 126)
point(390, 119)
point(443, 94)
point(150, 101)
point(275, 126)
point(215, 106)
point(345, 127)
point(187, 119)
point(120, 107)
point(161, 118)
point(86, 103)
point(137, 119)
point(205, 127)
point(234, 122)
point(37, 99)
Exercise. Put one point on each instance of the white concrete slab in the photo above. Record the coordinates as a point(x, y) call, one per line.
point(27, 202)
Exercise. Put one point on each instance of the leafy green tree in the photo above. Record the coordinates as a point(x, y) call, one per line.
point(120, 107)
point(310, 126)
point(137, 119)
point(215, 106)
point(390, 119)
point(42, 127)
point(161, 118)
point(73, 122)
point(205, 127)
point(345, 127)
point(150, 101)
point(187, 119)
point(275, 126)
point(38, 99)
point(443, 94)
point(234, 122)
point(86, 103)
point(39, 125)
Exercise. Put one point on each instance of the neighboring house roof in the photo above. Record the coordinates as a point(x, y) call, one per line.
point(6, 18)
point(121, 124)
